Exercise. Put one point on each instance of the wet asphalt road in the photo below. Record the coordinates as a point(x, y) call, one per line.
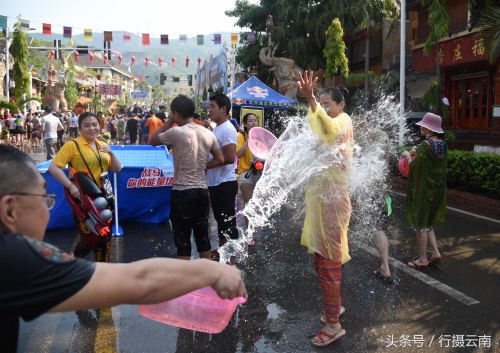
point(450, 308)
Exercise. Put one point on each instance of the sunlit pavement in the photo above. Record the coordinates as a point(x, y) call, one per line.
point(450, 308)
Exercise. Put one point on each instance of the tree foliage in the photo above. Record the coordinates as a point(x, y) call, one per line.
point(20, 73)
point(490, 23)
point(439, 21)
point(335, 50)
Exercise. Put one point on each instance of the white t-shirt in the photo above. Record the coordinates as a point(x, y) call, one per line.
point(226, 134)
point(50, 123)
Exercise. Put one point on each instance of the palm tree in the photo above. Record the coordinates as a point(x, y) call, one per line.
point(490, 23)
point(439, 21)
point(366, 12)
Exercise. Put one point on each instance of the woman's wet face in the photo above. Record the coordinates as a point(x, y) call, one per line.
point(331, 107)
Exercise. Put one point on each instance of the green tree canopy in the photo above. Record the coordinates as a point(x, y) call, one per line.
point(20, 73)
point(335, 50)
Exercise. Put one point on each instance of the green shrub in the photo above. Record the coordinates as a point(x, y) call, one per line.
point(477, 173)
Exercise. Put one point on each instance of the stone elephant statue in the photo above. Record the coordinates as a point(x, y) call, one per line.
point(285, 70)
point(54, 96)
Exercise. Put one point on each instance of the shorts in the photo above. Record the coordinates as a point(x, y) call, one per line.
point(19, 130)
point(252, 179)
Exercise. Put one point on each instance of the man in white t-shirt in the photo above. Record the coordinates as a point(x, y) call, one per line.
point(50, 125)
point(221, 180)
point(73, 125)
point(189, 203)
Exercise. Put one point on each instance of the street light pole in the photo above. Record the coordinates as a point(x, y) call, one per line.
point(402, 79)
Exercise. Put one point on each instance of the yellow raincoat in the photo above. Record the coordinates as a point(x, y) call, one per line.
point(328, 207)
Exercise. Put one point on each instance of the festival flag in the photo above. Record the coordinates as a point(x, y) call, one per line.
point(199, 39)
point(145, 39)
point(25, 24)
point(250, 38)
point(87, 34)
point(126, 38)
point(108, 36)
point(217, 39)
point(182, 39)
point(164, 39)
point(234, 38)
point(47, 29)
point(3, 21)
point(67, 32)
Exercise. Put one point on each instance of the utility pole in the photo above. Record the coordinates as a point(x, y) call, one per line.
point(7, 75)
point(402, 78)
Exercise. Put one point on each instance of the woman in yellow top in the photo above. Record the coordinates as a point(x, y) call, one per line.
point(99, 158)
point(328, 206)
point(248, 176)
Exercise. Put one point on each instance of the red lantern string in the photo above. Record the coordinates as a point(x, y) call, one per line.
point(187, 61)
point(75, 56)
point(120, 58)
point(105, 57)
point(173, 62)
point(147, 60)
point(160, 60)
point(52, 55)
point(91, 57)
point(133, 60)
point(199, 61)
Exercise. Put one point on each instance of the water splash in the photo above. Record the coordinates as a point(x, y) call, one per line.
point(298, 155)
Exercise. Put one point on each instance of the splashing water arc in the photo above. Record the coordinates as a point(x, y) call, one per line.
point(298, 155)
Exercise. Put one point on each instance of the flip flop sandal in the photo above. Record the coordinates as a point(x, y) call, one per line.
point(413, 264)
point(436, 260)
point(323, 320)
point(330, 338)
point(384, 279)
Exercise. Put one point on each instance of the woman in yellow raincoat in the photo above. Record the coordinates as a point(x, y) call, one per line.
point(328, 207)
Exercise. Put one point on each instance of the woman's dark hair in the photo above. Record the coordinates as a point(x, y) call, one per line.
point(84, 116)
point(338, 94)
point(183, 106)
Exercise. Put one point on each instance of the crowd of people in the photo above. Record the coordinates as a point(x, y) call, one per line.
point(30, 130)
point(205, 152)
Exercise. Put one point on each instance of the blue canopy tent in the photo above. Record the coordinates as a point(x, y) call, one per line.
point(254, 93)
